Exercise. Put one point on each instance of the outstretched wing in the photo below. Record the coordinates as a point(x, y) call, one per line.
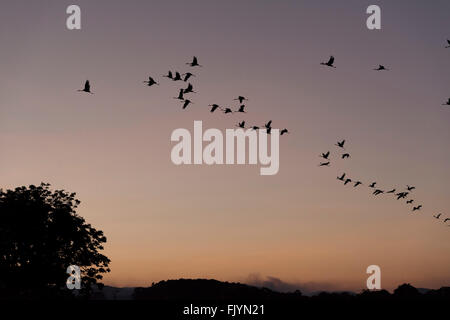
point(331, 60)
point(87, 86)
point(194, 61)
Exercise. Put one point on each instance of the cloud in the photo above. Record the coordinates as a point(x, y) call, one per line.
point(279, 285)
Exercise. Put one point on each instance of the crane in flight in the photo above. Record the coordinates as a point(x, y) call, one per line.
point(180, 95)
point(357, 183)
point(380, 68)
point(284, 131)
point(329, 63)
point(347, 181)
point(187, 75)
point(437, 216)
point(87, 87)
point(410, 188)
point(150, 82)
point(241, 125)
point(372, 185)
point(417, 208)
point(189, 89)
point(409, 201)
point(345, 155)
point(214, 107)
point(169, 75)
point(241, 99)
point(194, 62)
point(186, 103)
point(177, 76)
point(241, 109)
point(324, 164)
point(325, 155)
point(391, 191)
point(341, 177)
point(340, 144)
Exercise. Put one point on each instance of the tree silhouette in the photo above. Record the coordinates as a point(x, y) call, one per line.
point(40, 236)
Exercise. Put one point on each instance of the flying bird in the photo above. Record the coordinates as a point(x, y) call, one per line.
point(329, 63)
point(87, 87)
point(169, 75)
point(340, 144)
point(177, 76)
point(446, 219)
point(347, 181)
point(417, 208)
point(324, 164)
point(325, 155)
point(341, 177)
point(189, 89)
point(380, 67)
point(410, 188)
point(269, 130)
point(241, 124)
point(186, 103)
point(438, 215)
point(345, 155)
point(391, 191)
point(401, 195)
point(241, 109)
point(357, 183)
point(194, 62)
point(241, 99)
point(187, 75)
point(227, 110)
point(284, 131)
point(214, 107)
point(255, 128)
point(150, 82)
point(268, 124)
point(372, 185)
point(409, 201)
point(378, 191)
point(180, 95)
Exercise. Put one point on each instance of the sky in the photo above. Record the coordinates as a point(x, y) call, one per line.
point(300, 227)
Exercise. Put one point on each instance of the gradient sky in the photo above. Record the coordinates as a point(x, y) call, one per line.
point(228, 222)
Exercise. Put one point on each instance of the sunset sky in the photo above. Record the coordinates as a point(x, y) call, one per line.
point(228, 222)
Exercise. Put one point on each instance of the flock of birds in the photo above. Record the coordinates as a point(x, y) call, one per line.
point(398, 194)
point(177, 76)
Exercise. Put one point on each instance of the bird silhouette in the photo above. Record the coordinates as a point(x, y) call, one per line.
point(377, 192)
point(410, 188)
point(189, 89)
point(380, 67)
point(324, 164)
point(372, 185)
point(241, 124)
point(448, 41)
point(340, 144)
point(194, 62)
point(341, 177)
point(241, 99)
point(87, 87)
point(284, 131)
point(357, 183)
point(446, 219)
point(169, 75)
point(150, 82)
point(177, 76)
point(391, 191)
point(329, 63)
point(214, 107)
point(345, 155)
point(268, 130)
point(227, 110)
point(186, 103)
point(255, 128)
point(447, 103)
point(409, 201)
point(241, 109)
point(187, 75)
point(417, 208)
point(438, 215)
point(347, 181)
point(402, 195)
point(268, 124)
point(325, 155)
point(180, 95)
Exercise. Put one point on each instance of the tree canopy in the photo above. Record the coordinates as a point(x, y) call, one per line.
point(40, 236)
